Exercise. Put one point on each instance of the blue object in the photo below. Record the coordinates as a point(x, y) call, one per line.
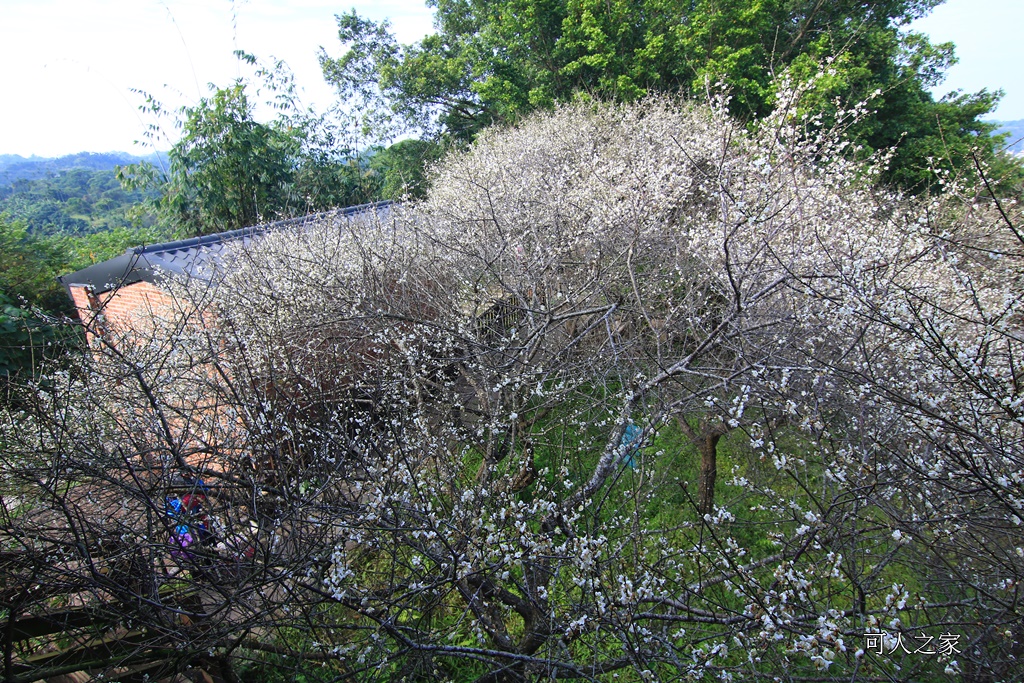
point(173, 506)
point(631, 442)
point(189, 521)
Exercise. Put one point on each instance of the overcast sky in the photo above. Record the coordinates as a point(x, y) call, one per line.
point(69, 65)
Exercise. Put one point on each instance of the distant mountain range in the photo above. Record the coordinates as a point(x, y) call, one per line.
point(14, 167)
point(1016, 131)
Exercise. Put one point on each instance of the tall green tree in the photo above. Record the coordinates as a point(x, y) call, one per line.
point(229, 170)
point(496, 60)
point(226, 171)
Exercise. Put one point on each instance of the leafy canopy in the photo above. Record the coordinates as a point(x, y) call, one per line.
point(494, 61)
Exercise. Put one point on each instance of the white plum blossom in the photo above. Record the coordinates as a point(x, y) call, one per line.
point(469, 428)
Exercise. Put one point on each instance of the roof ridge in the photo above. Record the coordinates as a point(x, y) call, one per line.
point(146, 262)
point(259, 228)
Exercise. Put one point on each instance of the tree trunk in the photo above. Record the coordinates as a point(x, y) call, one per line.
point(708, 446)
point(705, 437)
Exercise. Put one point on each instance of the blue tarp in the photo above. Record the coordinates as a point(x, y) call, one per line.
point(632, 439)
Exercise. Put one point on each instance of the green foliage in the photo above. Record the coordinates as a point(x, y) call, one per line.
point(493, 62)
point(29, 296)
point(76, 201)
point(81, 251)
point(29, 266)
point(20, 334)
point(401, 168)
point(892, 73)
point(229, 171)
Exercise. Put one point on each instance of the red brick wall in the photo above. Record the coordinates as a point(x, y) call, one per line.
point(126, 309)
point(81, 299)
point(199, 420)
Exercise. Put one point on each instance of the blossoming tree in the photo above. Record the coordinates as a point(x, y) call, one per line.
point(453, 439)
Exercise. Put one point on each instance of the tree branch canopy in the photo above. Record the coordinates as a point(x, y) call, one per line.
point(454, 438)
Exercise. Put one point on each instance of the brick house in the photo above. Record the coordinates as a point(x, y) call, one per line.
point(128, 299)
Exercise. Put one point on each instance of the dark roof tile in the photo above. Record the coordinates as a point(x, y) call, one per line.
point(198, 257)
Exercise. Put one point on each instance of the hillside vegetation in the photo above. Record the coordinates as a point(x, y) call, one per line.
point(14, 167)
point(74, 202)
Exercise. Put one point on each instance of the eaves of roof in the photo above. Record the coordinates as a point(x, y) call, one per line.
point(198, 257)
